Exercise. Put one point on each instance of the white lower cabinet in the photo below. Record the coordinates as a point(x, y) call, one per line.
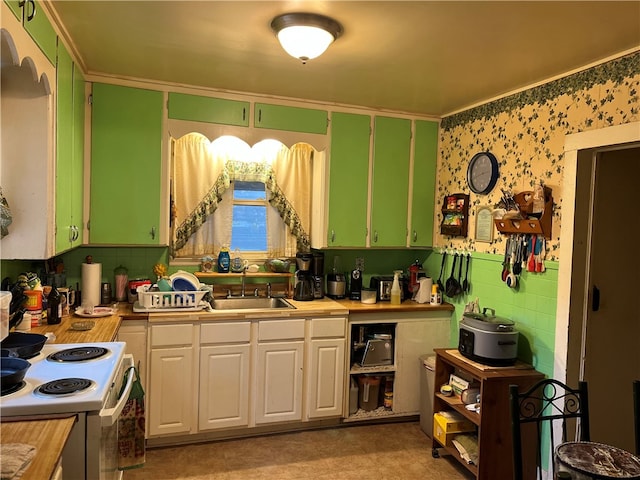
point(225, 378)
point(326, 368)
point(171, 379)
point(279, 385)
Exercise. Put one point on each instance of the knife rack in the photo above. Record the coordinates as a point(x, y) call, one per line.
point(529, 224)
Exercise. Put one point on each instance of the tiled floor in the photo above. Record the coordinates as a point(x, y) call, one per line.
point(397, 451)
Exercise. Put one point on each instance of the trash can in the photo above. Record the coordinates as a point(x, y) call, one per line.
point(427, 380)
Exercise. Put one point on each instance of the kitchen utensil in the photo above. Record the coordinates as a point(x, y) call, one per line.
point(531, 264)
point(512, 279)
point(182, 281)
point(13, 371)
point(465, 284)
point(517, 263)
point(451, 287)
point(24, 345)
point(459, 281)
point(505, 262)
point(488, 339)
point(440, 285)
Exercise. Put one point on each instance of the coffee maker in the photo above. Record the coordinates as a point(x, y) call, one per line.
point(303, 288)
point(317, 274)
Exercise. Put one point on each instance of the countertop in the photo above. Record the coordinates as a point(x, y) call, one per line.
point(355, 306)
point(49, 438)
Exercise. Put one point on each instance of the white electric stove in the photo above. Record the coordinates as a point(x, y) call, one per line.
point(86, 380)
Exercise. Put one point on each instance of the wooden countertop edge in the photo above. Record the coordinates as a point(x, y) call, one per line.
point(49, 436)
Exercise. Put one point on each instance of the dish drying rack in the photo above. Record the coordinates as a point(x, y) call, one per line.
point(169, 300)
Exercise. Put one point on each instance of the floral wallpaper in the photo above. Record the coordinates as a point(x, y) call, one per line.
point(526, 132)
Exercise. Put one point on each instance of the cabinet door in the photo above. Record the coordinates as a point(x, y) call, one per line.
point(279, 385)
point(37, 24)
point(292, 119)
point(423, 177)
point(413, 339)
point(390, 182)
point(224, 386)
point(77, 158)
point(208, 109)
point(64, 150)
point(126, 149)
point(348, 180)
point(170, 390)
point(325, 387)
point(134, 333)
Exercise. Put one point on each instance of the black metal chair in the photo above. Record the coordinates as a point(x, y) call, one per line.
point(636, 413)
point(534, 412)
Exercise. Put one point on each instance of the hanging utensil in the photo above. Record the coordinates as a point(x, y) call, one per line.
point(517, 260)
point(531, 265)
point(440, 285)
point(505, 263)
point(451, 286)
point(459, 282)
point(465, 285)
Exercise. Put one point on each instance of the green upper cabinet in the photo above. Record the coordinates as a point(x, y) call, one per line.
point(208, 109)
point(65, 230)
point(79, 102)
point(292, 119)
point(35, 21)
point(390, 182)
point(126, 165)
point(425, 155)
point(348, 180)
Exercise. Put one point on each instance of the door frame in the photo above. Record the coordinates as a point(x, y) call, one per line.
point(581, 147)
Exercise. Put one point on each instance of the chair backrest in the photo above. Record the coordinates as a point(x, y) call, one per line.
point(636, 413)
point(534, 413)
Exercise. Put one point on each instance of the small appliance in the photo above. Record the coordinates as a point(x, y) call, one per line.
point(303, 287)
point(488, 339)
point(382, 286)
point(336, 281)
point(317, 274)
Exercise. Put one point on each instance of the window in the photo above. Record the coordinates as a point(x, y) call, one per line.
point(249, 220)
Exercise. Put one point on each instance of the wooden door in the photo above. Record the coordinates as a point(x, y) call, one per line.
point(279, 390)
point(326, 378)
point(612, 356)
point(224, 386)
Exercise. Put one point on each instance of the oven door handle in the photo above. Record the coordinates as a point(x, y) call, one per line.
point(109, 416)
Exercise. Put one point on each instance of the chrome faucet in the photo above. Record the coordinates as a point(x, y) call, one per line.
point(268, 289)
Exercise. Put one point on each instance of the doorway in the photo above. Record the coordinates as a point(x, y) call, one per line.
point(596, 287)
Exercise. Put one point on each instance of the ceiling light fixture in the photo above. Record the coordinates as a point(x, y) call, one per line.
point(305, 35)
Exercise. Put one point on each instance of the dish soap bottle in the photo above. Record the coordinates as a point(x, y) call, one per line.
point(224, 260)
point(395, 288)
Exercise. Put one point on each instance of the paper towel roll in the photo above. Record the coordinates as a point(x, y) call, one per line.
point(91, 278)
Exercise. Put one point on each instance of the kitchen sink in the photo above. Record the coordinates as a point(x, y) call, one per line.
point(241, 303)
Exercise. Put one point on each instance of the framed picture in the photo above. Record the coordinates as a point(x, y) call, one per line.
point(484, 224)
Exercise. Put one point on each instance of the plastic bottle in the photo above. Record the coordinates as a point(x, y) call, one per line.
point(395, 288)
point(436, 296)
point(224, 260)
point(54, 308)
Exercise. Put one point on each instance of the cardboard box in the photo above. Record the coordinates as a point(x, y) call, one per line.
point(447, 424)
point(458, 384)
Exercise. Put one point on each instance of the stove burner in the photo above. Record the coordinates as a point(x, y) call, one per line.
point(13, 388)
point(64, 386)
point(78, 354)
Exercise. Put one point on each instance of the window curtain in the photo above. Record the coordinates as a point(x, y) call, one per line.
point(203, 172)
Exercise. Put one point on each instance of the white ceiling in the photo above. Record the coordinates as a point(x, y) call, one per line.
point(426, 57)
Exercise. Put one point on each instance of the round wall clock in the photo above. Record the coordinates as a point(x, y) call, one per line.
point(482, 173)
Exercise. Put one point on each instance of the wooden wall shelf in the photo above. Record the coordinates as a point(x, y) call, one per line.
point(455, 215)
point(529, 225)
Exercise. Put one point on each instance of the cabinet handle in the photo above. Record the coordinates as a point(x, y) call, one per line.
point(77, 230)
point(30, 15)
point(595, 299)
point(244, 114)
point(415, 236)
point(333, 236)
point(375, 237)
point(260, 115)
point(153, 233)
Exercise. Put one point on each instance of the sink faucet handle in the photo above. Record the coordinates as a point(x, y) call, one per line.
point(268, 289)
point(229, 293)
point(255, 293)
